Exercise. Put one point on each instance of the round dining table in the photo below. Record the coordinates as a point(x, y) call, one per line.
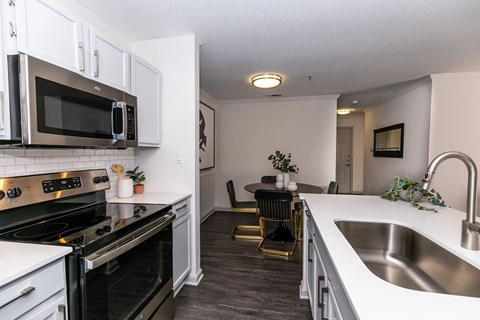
point(302, 188)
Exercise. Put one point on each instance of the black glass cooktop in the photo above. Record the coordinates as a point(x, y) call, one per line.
point(81, 228)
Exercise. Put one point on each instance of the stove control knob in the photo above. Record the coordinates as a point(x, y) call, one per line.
point(107, 228)
point(97, 179)
point(14, 192)
point(2, 194)
point(100, 231)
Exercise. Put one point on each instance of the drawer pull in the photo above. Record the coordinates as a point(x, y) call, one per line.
point(182, 207)
point(24, 292)
point(61, 308)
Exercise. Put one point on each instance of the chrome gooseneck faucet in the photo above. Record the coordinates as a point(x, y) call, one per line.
point(470, 228)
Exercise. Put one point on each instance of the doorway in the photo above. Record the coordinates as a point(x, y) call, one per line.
point(343, 174)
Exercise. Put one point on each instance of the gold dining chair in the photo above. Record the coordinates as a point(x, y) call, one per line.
point(276, 205)
point(242, 206)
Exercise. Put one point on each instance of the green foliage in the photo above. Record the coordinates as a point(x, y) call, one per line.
point(282, 162)
point(137, 177)
point(410, 186)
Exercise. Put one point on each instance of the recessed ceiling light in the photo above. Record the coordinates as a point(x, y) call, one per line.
point(266, 80)
point(343, 111)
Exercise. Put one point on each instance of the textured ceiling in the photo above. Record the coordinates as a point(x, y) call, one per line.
point(344, 45)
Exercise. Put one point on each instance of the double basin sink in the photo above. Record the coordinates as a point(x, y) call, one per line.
point(403, 257)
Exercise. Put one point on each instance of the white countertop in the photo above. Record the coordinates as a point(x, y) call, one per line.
point(18, 259)
point(372, 297)
point(152, 198)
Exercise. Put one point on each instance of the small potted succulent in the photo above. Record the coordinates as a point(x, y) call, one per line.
point(412, 191)
point(137, 177)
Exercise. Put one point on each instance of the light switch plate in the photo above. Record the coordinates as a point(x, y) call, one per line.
point(179, 158)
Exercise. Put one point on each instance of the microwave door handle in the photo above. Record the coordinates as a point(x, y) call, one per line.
point(118, 120)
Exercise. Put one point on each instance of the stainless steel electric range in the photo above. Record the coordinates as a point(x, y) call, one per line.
point(121, 264)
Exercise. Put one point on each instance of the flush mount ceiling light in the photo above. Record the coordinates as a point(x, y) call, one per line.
point(266, 80)
point(343, 111)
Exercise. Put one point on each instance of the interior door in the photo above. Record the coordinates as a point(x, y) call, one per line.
point(344, 163)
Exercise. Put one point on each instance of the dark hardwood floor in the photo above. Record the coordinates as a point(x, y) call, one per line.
point(239, 282)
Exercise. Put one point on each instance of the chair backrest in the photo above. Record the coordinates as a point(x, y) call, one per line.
point(332, 188)
point(274, 204)
point(231, 193)
point(268, 179)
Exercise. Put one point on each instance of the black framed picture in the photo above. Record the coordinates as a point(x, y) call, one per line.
point(206, 136)
point(388, 141)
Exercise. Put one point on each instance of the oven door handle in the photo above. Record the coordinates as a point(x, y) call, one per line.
point(99, 258)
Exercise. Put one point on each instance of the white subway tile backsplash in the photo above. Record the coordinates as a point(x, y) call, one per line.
point(17, 162)
point(23, 161)
point(14, 152)
point(14, 169)
point(65, 152)
point(50, 152)
point(34, 153)
point(58, 159)
point(43, 159)
point(7, 161)
point(33, 168)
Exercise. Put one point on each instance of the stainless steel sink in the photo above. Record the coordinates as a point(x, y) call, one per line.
point(403, 257)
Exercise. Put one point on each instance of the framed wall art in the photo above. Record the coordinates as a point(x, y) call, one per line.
point(206, 136)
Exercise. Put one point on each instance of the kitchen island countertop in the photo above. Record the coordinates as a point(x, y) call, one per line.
point(372, 297)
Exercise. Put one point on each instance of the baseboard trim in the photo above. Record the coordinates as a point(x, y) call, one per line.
point(194, 279)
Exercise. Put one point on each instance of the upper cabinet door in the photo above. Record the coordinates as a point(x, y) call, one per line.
point(51, 33)
point(109, 61)
point(146, 87)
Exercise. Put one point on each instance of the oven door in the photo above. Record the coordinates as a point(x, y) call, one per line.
point(132, 278)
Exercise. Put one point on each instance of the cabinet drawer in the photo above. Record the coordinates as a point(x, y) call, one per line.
point(46, 281)
point(181, 208)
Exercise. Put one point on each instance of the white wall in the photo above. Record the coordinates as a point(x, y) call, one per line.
point(208, 176)
point(412, 107)
point(357, 123)
point(177, 59)
point(249, 131)
point(455, 113)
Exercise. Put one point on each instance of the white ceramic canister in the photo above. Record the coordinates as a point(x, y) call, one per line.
point(280, 177)
point(292, 186)
point(279, 185)
point(125, 188)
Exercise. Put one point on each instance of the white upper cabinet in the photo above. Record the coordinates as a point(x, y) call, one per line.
point(146, 87)
point(109, 62)
point(51, 32)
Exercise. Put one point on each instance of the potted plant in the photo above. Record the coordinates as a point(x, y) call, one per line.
point(282, 163)
point(137, 177)
point(409, 190)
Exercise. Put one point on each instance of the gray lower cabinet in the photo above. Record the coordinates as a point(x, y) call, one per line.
point(37, 295)
point(323, 284)
point(181, 243)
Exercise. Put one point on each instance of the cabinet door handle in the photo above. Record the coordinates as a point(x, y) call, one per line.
point(81, 52)
point(61, 308)
point(324, 303)
point(23, 293)
point(320, 304)
point(97, 61)
point(309, 249)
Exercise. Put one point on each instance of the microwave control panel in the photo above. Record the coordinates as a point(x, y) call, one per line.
point(130, 123)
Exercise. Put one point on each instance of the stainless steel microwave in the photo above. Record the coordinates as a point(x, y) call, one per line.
point(51, 106)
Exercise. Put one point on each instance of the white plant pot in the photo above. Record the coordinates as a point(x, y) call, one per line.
point(280, 177)
point(279, 185)
point(417, 195)
point(286, 178)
